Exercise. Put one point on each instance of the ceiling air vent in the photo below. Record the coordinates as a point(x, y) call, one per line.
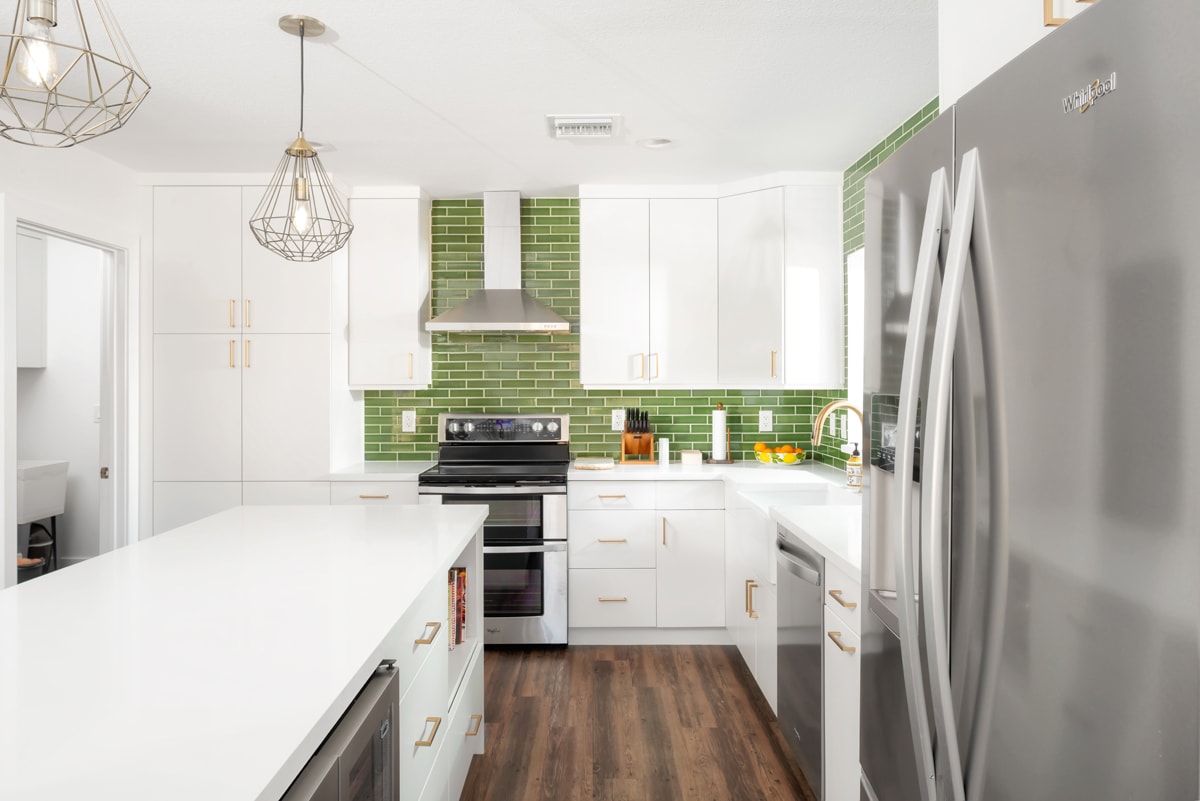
point(581, 126)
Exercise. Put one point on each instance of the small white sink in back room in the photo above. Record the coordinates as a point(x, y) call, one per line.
point(41, 489)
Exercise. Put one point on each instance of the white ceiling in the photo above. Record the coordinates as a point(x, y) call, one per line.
point(451, 95)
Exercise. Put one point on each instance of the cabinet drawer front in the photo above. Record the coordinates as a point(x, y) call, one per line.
point(603, 598)
point(465, 737)
point(425, 699)
point(690, 495)
point(424, 620)
point(622, 538)
point(610, 495)
point(385, 493)
point(841, 670)
point(843, 596)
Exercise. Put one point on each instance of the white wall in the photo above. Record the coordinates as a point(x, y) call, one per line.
point(75, 191)
point(56, 404)
point(976, 38)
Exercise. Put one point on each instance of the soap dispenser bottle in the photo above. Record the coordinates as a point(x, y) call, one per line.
point(854, 469)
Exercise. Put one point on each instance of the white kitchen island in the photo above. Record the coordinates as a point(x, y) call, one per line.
point(210, 662)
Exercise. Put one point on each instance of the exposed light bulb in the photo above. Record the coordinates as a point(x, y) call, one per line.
point(301, 219)
point(36, 61)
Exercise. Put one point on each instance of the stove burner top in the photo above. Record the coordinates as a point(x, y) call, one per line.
point(494, 474)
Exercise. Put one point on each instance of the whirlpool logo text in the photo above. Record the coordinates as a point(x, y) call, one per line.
point(1082, 100)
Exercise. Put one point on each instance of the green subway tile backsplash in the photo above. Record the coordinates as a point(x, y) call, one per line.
point(525, 373)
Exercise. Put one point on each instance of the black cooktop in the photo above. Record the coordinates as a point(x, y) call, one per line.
point(495, 474)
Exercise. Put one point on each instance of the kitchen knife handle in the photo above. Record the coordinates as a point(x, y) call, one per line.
point(837, 596)
point(836, 636)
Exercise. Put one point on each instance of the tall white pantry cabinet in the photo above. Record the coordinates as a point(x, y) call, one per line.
point(241, 360)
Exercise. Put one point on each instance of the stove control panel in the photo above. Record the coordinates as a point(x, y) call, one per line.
point(503, 428)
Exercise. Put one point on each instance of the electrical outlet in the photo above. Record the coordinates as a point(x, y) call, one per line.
point(833, 424)
point(618, 419)
point(844, 423)
point(765, 420)
point(408, 421)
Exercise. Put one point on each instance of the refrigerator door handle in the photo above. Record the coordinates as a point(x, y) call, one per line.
point(937, 212)
point(969, 238)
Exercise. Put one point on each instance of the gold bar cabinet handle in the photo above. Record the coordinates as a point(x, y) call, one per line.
point(231, 344)
point(231, 304)
point(476, 725)
point(655, 365)
point(837, 596)
point(773, 364)
point(664, 529)
point(642, 371)
point(836, 636)
point(622, 539)
point(437, 723)
point(436, 626)
point(605, 497)
point(604, 600)
point(246, 356)
point(382, 497)
point(246, 315)
point(751, 586)
point(410, 365)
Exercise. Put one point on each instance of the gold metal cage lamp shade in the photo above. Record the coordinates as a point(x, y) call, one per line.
point(69, 74)
point(301, 216)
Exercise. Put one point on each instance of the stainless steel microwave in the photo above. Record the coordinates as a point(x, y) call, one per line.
point(358, 761)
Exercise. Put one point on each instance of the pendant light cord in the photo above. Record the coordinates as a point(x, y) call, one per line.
point(301, 76)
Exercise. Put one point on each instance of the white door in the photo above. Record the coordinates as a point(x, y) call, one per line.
point(691, 568)
point(280, 296)
point(388, 294)
point(285, 407)
point(750, 319)
point(197, 407)
point(614, 291)
point(683, 292)
point(197, 259)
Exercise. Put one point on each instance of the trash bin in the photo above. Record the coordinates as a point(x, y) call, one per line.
point(29, 568)
point(41, 545)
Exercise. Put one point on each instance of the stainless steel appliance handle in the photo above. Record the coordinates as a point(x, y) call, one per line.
point(936, 213)
point(997, 592)
point(524, 489)
point(797, 566)
point(548, 547)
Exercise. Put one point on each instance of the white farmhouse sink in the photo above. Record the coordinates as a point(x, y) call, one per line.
point(41, 489)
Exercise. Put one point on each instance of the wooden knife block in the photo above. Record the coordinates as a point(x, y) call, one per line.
point(637, 448)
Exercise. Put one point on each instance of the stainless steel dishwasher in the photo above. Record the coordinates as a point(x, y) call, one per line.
point(801, 608)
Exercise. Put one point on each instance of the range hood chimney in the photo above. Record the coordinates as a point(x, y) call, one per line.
point(501, 305)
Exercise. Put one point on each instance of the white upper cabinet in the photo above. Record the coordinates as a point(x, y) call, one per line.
point(197, 259)
point(389, 294)
point(814, 277)
point(683, 292)
point(648, 290)
point(614, 291)
point(750, 347)
point(280, 296)
point(31, 300)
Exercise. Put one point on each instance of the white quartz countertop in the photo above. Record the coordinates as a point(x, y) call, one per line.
point(833, 530)
point(739, 473)
point(381, 471)
point(210, 661)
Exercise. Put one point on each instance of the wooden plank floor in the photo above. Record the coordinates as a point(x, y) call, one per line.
point(628, 723)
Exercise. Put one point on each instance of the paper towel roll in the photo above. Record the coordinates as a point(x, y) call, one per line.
point(719, 450)
point(664, 451)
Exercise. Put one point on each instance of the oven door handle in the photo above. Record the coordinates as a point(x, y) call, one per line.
point(523, 489)
point(549, 547)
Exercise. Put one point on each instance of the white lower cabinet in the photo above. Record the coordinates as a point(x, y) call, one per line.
point(178, 503)
point(752, 618)
point(421, 720)
point(690, 564)
point(285, 493)
point(373, 493)
point(611, 598)
point(841, 671)
point(465, 738)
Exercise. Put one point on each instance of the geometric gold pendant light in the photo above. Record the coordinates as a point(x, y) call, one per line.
point(68, 74)
point(301, 216)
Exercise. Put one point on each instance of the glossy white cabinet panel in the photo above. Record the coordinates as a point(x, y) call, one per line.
point(280, 296)
point(691, 568)
point(198, 407)
point(177, 503)
point(285, 407)
point(611, 598)
point(690, 495)
point(841, 671)
point(750, 347)
point(285, 493)
point(423, 704)
point(374, 493)
point(466, 736)
point(198, 259)
point(610, 495)
point(612, 539)
point(31, 300)
point(389, 293)
point(683, 292)
point(814, 278)
point(614, 291)
point(843, 595)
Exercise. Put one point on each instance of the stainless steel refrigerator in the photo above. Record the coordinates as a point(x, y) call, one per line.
point(1032, 377)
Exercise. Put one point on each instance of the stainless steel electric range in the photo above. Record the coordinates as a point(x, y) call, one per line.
point(517, 465)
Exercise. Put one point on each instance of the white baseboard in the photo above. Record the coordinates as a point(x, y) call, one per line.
point(647, 636)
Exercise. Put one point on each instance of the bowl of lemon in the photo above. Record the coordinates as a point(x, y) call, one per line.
point(783, 454)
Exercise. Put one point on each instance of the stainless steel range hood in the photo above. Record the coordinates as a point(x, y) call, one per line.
point(501, 305)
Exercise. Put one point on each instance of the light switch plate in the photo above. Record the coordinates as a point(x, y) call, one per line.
point(766, 420)
point(408, 421)
point(618, 419)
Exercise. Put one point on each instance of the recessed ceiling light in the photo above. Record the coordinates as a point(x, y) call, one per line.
point(655, 144)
